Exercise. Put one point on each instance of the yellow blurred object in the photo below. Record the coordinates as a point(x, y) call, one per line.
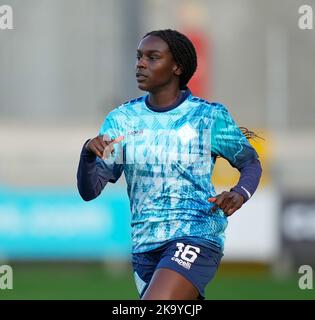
point(226, 176)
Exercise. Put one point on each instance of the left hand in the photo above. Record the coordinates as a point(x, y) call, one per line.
point(229, 202)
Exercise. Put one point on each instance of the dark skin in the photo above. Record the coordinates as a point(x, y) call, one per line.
point(229, 202)
point(103, 146)
point(158, 73)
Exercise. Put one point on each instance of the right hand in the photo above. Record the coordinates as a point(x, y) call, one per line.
point(103, 146)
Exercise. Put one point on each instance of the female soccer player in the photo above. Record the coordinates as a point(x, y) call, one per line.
point(167, 142)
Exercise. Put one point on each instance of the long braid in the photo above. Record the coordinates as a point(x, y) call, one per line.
point(250, 134)
point(183, 52)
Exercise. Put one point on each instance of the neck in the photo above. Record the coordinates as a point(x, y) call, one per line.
point(164, 97)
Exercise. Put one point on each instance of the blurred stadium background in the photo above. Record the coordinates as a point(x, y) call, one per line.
point(66, 64)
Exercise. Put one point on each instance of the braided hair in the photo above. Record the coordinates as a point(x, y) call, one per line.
point(183, 52)
point(249, 134)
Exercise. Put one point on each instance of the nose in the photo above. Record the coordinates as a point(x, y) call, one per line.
point(141, 63)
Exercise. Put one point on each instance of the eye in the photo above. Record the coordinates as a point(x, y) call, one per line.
point(153, 57)
point(139, 55)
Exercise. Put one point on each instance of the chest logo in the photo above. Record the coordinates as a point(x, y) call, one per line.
point(135, 132)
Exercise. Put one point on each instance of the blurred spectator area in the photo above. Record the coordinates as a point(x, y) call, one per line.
point(67, 64)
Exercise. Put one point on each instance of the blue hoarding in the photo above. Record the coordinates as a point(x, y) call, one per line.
point(55, 224)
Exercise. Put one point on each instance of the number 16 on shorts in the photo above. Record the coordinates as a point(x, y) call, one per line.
point(185, 254)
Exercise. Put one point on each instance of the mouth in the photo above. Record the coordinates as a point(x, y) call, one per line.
point(140, 76)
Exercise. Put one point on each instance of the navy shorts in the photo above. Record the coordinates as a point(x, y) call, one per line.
point(194, 258)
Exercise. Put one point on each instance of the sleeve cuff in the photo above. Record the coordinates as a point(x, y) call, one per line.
point(88, 155)
point(243, 192)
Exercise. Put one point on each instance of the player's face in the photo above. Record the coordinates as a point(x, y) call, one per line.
point(155, 67)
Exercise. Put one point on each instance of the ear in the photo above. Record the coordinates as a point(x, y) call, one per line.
point(177, 69)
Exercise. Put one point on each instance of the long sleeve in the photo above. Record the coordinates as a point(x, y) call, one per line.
point(93, 174)
point(249, 179)
point(228, 141)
